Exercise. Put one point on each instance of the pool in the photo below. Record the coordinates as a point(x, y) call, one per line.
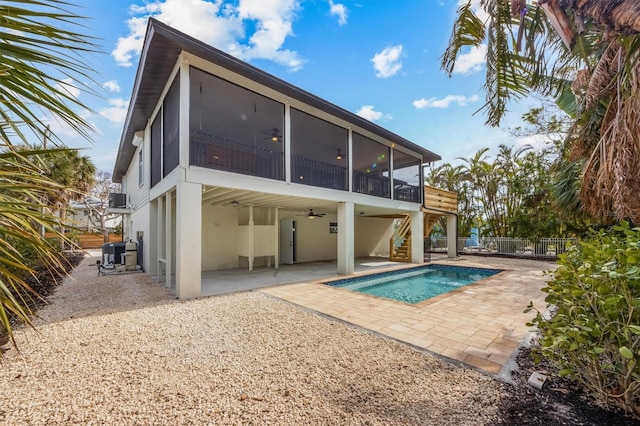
point(415, 284)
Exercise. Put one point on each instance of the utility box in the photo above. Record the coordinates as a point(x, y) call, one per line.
point(113, 253)
point(131, 256)
point(117, 200)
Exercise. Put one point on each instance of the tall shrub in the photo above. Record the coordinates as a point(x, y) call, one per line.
point(593, 334)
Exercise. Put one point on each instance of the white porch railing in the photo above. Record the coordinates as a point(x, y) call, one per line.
point(548, 248)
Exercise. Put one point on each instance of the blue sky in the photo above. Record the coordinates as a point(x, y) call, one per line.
point(377, 58)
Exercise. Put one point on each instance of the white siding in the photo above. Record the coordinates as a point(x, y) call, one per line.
point(138, 195)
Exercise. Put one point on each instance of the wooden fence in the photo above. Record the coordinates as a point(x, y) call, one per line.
point(93, 241)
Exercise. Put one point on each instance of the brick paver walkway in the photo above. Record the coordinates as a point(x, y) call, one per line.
point(480, 324)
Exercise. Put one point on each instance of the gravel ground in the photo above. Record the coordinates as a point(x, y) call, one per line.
point(121, 350)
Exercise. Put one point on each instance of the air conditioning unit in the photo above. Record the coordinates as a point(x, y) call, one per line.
point(117, 201)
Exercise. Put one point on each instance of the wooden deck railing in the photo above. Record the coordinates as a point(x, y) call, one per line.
point(441, 200)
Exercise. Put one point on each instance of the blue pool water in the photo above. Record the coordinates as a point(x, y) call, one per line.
point(416, 284)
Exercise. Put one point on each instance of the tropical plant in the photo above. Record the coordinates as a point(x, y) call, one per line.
point(507, 196)
point(41, 57)
point(23, 249)
point(74, 173)
point(450, 178)
point(42, 62)
point(594, 333)
point(584, 54)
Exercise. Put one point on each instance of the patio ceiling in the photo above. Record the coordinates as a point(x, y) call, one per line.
point(220, 196)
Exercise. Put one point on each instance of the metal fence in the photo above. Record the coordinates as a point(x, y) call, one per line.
point(548, 248)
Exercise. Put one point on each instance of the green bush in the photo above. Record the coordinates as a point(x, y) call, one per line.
point(593, 334)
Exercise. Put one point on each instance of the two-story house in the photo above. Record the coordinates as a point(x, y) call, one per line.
point(226, 166)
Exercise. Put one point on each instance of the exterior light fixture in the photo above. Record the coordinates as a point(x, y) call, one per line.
point(340, 155)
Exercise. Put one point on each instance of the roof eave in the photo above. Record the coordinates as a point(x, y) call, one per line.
point(175, 42)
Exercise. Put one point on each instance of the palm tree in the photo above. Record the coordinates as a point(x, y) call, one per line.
point(39, 62)
point(74, 173)
point(23, 186)
point(453, 179)
point(40, 56)
point(583, 53)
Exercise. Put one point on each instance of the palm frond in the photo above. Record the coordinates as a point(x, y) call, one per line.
point(38, 55)
point(468, 31)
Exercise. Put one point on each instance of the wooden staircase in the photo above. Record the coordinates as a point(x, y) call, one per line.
point(430, 221)
point(400, 242)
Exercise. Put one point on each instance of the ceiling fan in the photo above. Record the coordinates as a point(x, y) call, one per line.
point(274, 135)
point(312, 215)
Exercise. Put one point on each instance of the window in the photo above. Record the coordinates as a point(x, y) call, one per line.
point(140, 169)
point(370, 167)
point(319, 152)
point(234, 129)
point(156, 150)
point(171, 128)
point(406, 177)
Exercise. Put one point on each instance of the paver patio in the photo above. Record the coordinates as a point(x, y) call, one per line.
point(479, 324)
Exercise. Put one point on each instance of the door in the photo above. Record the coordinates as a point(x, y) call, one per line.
point(287, 241)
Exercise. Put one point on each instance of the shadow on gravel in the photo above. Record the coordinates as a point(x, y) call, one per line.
point(83, 293)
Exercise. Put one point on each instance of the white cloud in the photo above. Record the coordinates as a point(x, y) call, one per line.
point(111, 86)
point(221, 24)
point(130, 45)
point(472, 61)
point(369, 113)
point(387, 62)
point(273, 24)
point(339, 10)
point(444, 102)
point(117, 112)
point(68, 87)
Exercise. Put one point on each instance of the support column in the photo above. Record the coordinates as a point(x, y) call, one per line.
point(345, 238)
point(269, 223)
point(452, 235)
point(150, 254)
point(287, 143)
point(188, 240)
point(276, 237)
point(168, 239)
point(252, 239)
point(417, 237)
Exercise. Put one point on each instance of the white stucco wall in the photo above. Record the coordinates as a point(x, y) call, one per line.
point(372, 236)
point(139, 221)
point(219, 237)
point(313, 240)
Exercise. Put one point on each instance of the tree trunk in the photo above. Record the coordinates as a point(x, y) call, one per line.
point(618, 15)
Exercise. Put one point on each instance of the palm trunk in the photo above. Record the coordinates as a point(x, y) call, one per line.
point(615, 14)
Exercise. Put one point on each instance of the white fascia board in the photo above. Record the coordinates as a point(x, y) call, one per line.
point(167, 184)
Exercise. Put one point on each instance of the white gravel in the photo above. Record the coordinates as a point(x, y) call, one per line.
point(121, 350)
